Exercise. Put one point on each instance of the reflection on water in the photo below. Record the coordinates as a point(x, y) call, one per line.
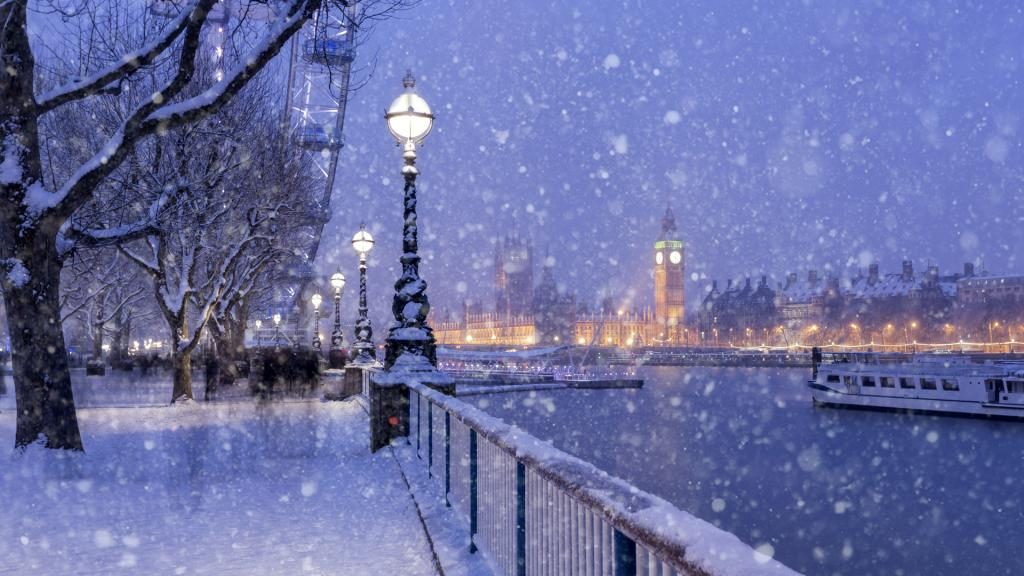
point(833, 491)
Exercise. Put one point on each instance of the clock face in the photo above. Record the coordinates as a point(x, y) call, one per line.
point(659, 257)
point(675, 257)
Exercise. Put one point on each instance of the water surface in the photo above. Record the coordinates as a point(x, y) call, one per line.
point(832, 491)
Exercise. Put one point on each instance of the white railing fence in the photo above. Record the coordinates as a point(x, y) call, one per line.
point(534, 510)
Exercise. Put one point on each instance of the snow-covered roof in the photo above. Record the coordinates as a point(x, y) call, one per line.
point(892, 285)
point(803, 291)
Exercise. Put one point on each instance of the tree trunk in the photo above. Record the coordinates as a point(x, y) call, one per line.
point(236, 339)
point(220, 338)
point(42, 381)
point(212, 361)
point(97, 335)
point(29, 263)
point(182, 361)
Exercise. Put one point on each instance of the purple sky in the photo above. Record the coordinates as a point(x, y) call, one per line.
point(785, 135)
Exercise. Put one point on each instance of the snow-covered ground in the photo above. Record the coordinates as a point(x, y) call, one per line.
point(117, 388)
point(228, 488)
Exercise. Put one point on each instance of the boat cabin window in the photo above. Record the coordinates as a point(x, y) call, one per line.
point(867, 380)
point(848, 380)
point(928, 384)
point(949, 384)
point(887, 382)
point(832, 378)
point(1014, 386)
point(994, 385)
point(906, 382)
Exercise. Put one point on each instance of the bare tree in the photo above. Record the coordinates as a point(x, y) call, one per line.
point(108, 297)
point(33, 211)
point(232, 215)
point(192, 270)
point(275, 178)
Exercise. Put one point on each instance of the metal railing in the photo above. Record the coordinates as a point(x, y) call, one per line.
point(534, 510)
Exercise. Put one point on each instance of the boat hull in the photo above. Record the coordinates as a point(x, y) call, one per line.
point(824, 396)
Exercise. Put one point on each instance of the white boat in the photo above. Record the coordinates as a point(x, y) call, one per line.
point(948, 384)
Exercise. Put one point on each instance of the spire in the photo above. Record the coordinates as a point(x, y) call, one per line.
point(668, 225)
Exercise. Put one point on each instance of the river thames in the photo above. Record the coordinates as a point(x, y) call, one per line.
point(831, 491)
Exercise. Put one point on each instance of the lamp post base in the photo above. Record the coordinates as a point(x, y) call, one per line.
point(365, 354)
point(422, 352)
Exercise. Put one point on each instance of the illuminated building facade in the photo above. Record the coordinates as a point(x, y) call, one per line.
point(546, 314)
point(891, 309)
point(990, 308)
point(669, 277)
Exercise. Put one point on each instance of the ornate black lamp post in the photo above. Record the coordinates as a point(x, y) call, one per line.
point(363, 243)
point(337, 355)
point(316, 299)
point(410, 341)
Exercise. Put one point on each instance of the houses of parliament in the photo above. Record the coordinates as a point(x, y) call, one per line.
point(868, 309)
point(527, 314)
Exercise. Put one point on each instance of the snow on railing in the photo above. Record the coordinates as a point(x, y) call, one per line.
point(533, 509)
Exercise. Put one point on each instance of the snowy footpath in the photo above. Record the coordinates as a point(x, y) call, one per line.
point(235, 488)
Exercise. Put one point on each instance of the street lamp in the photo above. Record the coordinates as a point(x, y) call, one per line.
point(277, 329)
point(991, 325)
point(906, 335)
point(316, 299)
point(336, 355)
point(259, 324)
point(363, 243)
point(409, 120)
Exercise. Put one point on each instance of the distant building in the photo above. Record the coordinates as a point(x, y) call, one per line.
point(895, 308)
point(546, 314)
point(808, 302)
point(880, 303)
point(669, 278)
point(513, 276)
point(873, 308)
point(990, 308)
point(740, 313)
point(554, 310)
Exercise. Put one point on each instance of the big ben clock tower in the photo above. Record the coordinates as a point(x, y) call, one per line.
point(669, 274)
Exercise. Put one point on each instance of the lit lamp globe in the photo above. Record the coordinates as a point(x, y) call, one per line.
point(362, 241)
point(277, 319)
point(338, 281)
point(316, 299)
point(409, 116)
